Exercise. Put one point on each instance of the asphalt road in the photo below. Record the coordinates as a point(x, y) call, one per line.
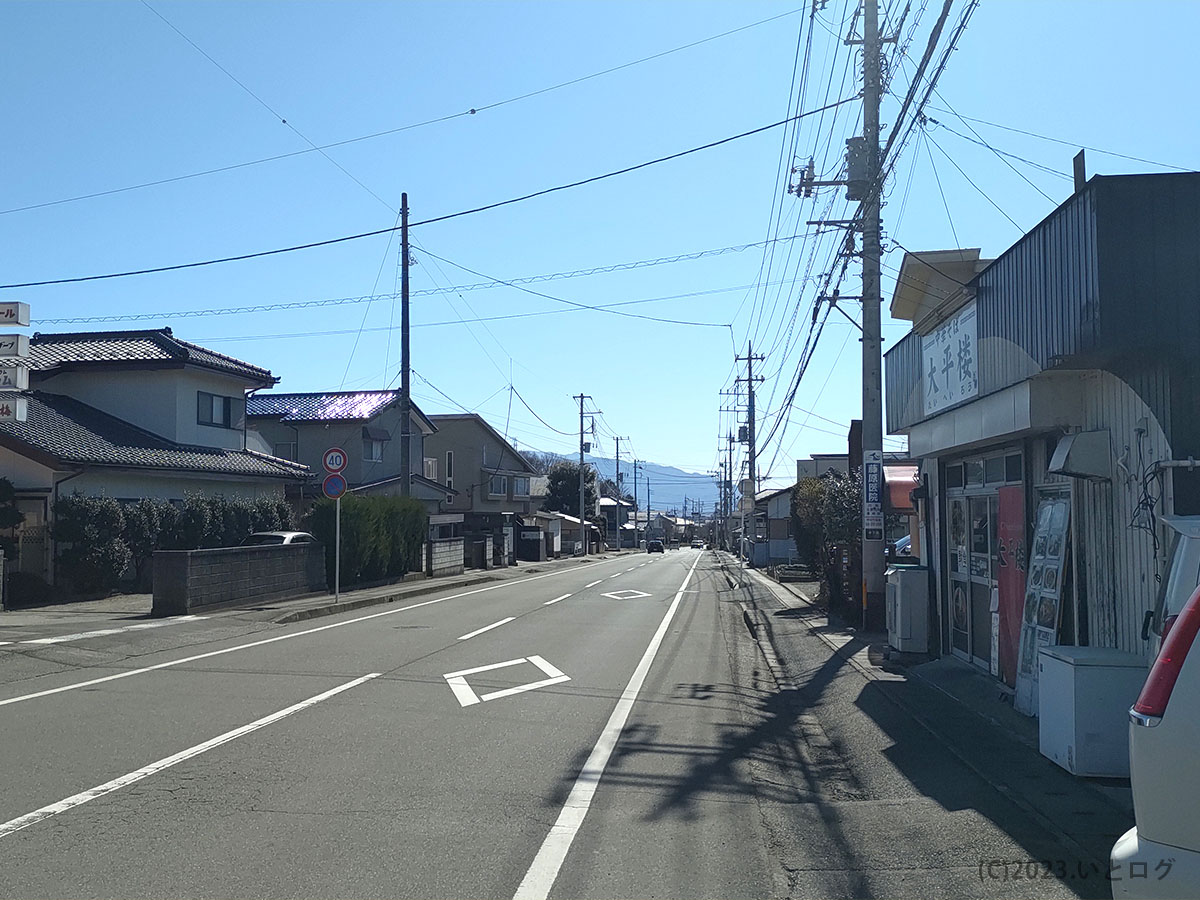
point(450, 747)
point(605, 730)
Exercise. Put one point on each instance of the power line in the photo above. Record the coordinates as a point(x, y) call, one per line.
point(578, 305)
point(466, 212)
point(378, 134)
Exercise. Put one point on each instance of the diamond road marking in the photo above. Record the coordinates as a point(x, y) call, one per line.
point(626, 595)
point(467, 697)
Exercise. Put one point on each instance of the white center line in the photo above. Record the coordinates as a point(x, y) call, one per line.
point(593, 584)
point(614, 576)
point(546, 865)
point(282, 637)
point(153, 768)
point(556, 599)
point(631, 568)
point(472, 634)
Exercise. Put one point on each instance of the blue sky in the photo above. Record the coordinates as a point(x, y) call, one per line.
point(106, 95)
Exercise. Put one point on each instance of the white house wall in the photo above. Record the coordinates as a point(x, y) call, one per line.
point(166, 486)
point(23, 472)
point(160, 401)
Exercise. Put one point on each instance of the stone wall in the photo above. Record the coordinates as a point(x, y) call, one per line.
point(444, 556)
point(190, 580)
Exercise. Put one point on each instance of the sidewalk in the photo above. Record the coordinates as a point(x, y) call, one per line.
point(963, 711)
point(286, 611)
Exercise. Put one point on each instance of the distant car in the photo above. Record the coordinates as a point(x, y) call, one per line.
point(655, 547)
point(697, 545)
point(262, 538)
point(1164, 732)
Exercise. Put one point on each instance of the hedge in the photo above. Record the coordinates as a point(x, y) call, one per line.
point(381, 536)
point(100, 538)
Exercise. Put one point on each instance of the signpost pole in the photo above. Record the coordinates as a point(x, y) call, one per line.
point(337, 550)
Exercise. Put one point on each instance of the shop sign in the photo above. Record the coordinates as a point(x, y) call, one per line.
point(949, 362)
point(1043, 592)
point(873, 495)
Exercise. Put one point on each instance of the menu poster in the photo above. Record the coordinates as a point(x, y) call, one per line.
point(1043, 591)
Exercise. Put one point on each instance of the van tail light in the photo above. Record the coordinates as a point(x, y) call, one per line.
point(1179, 633)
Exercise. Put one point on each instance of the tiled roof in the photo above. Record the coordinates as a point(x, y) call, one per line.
point(328, 406)
point(78, 434)
point(332, 405)
point(53, 351)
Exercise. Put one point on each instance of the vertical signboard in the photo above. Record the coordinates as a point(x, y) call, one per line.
point(873, 495)
point(949, 362)
point(1039, 620)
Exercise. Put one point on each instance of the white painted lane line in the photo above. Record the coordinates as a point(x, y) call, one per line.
point(84, 635)
point(546, 865)
point(631, 568)
point(593, 584)
point(39, 815)
point(641, 565)
point(617, 574)
point(556, 599)
point(282, 637)
point(472, 634)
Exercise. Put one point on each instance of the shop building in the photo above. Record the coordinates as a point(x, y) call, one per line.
point(1042, 393)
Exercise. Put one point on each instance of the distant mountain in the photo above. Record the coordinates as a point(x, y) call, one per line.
point(669, 486)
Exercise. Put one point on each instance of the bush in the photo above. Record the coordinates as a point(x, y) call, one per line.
point(10, 518)
point(381, 536)
point(91, 553)
point(141, 533)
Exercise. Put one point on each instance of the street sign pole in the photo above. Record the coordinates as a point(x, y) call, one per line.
point(337, 551)
point(334, 460)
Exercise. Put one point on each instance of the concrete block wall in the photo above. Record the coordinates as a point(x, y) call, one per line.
point(190, 580)
point(444, 556)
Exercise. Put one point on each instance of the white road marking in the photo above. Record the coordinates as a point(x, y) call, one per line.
point(472, 634)
point(84, 635)
point(593, 584)
point(618, 573)
point(39, 815)
point(641, 566)
point(2, 643)
point(626, 595)
point(467, 697)
point(546, 865)
point(556, 599)
point(282, 637)
point(631, 568)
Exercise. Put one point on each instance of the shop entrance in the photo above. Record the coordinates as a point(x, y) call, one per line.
point(973, 553)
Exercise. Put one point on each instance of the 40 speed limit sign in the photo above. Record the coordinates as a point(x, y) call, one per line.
point(334, 460)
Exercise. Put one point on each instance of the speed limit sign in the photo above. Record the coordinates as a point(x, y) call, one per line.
point(334, 460)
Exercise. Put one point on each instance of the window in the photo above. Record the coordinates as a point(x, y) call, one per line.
point(993, 470)
point(286, 450)
point(1012, 467)
point(213, 409)
point(954, 476)
point(431, 468)
point(450, 469)
point(372, 450)
point(520, 486)
point(498, 486)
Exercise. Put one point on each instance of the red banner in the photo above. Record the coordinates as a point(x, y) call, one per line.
point(1011, 578)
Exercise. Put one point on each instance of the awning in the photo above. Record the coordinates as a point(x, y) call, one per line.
point(373, 433)
point(898, 482)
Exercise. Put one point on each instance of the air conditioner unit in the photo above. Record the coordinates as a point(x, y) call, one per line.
point(908, 608)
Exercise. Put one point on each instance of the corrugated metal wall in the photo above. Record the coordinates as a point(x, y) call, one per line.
point(1038, 302)
point(1121, 564)
point(902, 383)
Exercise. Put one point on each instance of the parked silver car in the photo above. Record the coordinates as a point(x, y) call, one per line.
point(261, 538)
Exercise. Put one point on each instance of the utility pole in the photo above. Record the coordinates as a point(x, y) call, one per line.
point(872, 388)
point(647, 509)
point(583, 535)
point(637, 541)
point(619, 492)
point(729, 491)
point(405, 387)
point(751, 474)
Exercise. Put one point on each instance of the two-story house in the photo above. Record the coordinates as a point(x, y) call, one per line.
point(132, 414)
point(492, 480)
point(367, 425)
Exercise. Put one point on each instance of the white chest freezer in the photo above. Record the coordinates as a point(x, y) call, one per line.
point(1084, 695)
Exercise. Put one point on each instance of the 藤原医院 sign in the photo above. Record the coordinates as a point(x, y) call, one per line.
point(949, 362)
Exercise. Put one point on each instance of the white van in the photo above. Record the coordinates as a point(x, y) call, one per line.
point(1160, 855)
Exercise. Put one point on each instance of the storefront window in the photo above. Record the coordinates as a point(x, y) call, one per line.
point(974, 470)
point(993, 470)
